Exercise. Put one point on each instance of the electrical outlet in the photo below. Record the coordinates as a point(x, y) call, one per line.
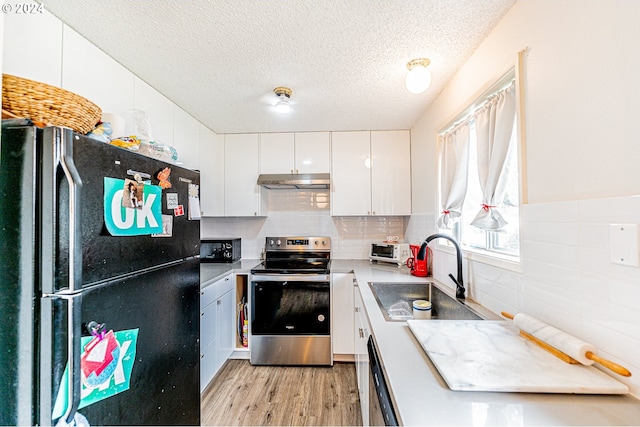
point(623, 240)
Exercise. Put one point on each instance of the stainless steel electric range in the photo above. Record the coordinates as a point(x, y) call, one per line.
point(290, 300)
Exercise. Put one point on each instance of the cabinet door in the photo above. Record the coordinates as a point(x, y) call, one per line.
point(391, 172)
point(224, 328)
point(208, 344)
point(276, 153)
point(211, 173)
point(342, 313)
point(208, 323)
point(89, 72)
point(26, 30)
point(242, 161)
point(350, 173)
point(361, 328)
point(158, 109)
point(313, 152)
point(186, 136)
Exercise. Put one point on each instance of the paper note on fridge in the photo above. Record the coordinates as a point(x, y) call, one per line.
point(104, 373)
point(123, 221)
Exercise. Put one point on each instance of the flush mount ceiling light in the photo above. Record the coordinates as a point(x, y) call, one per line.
point(284, 94)
point(418, 77)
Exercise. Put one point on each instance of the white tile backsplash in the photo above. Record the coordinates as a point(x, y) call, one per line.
point(567, 279)
point(305, 213)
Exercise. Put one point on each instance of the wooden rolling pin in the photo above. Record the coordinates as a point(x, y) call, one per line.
point(562, 345)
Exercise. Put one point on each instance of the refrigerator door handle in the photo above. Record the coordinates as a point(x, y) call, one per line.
point(65, 150)
point(58, 154)
point(73, 348)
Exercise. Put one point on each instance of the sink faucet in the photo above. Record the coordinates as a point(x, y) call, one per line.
point(422, 253)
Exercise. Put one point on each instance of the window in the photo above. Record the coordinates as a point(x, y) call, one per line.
point(505, 241)
point(464, 199)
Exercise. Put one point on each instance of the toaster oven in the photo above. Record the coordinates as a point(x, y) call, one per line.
point(396, 253)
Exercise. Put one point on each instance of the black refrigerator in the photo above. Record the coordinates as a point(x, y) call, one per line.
point(99, 283)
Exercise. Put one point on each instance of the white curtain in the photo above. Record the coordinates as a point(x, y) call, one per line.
point(454, 165)
point(494, 128)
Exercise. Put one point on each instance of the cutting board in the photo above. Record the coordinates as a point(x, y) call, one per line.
point(484, 355)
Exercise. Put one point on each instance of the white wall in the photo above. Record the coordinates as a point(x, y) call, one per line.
point(582, 103)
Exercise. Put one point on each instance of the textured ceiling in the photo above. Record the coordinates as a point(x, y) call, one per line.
point(345, 60)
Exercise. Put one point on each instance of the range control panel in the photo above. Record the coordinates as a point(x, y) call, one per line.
point(297, 243)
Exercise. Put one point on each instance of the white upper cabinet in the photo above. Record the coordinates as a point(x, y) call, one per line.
point(242, 163)
point(391, 172)
point(89, 72)
point(350, 173)
point(370, 173)
point(211, 172)
point(186, 135)
point(312, 152)
point(158, 109)
point(303, 152)
point(276, 153)
point(23, 32)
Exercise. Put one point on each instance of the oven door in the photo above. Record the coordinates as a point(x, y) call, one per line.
point(290, 320)
point(290, 305)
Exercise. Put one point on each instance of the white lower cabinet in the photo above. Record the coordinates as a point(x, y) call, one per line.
point(342, 313)
point(216, 327)
point(362, 332)
point(224, 328)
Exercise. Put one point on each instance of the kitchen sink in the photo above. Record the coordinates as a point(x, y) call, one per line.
point(443, 306)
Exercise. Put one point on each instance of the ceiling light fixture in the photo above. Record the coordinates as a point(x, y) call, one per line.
point(418, 78)
point(284, 94)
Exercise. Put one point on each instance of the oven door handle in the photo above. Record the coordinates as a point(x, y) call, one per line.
point(290, 277)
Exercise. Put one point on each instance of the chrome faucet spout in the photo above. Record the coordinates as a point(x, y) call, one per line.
point(460, 290)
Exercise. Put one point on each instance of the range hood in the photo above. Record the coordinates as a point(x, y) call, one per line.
point(299, 181)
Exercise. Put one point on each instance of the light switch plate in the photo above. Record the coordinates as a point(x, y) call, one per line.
point(623, 240)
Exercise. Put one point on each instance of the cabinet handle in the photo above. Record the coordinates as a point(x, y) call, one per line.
point(361, 332)
point(374, 212)
point(219, 302)
point(357, 309)
point(292, 171)
point(297, 171)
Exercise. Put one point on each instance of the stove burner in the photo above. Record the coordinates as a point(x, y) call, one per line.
point(296, 255)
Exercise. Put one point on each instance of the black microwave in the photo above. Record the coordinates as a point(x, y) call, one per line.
point(220, 250)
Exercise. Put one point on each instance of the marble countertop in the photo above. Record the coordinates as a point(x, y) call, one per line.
point(491, 355)
point(419, 393)
point(422, 397)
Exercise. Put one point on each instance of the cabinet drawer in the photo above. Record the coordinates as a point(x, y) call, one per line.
point(215, 290)
point(207, 296)
point(224, 285)
point(208, 324)
point(208, 365)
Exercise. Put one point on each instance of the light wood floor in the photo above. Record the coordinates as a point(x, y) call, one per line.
point(242, 394)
